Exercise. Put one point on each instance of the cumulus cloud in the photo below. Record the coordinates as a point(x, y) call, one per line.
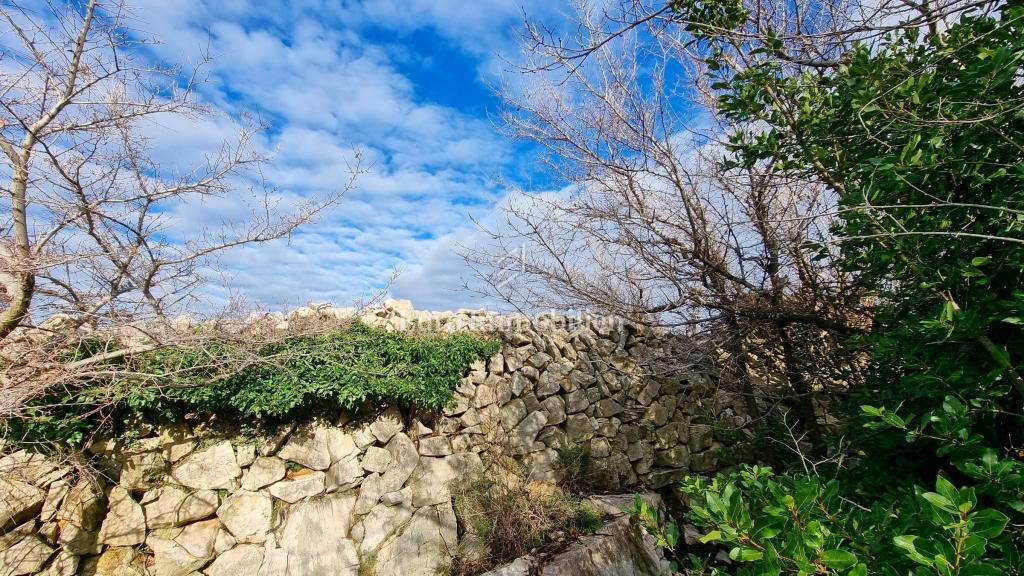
point(329, 78)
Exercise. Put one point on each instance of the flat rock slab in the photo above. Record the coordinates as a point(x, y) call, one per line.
point(424, 548)
point(315, 540)
point(173, 506)
point(125, 523)
point(264, 471)
point(247, 516)
point(242, 560)
point(19, 501)
point(213, 468)
point(291, 491)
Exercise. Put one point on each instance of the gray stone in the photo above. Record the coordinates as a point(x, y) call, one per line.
point(519, 384)
point(618, 549)
point(387, 425)
point(424, 547)
point(435, 446)
point(340, 445)
point(54, 497)
point(375, 459)
point(519, 567)
point(243, 560)
point(180, 551)
point(264, 471)
point(210, 469)
point(539, 360)
point(245, 454)
point(661, 478)
point(19, 501)
point(393, 498)
point(576, 401)
point(125, 523)
point(370, 492)
point(435, 474)
point(171, 506)
point(270, 443)
point(548, 384)
point(486, 395)
point(247, 515)
point(512, 413)
point(363, 437)
point(673, 458)
point(607, 408)
point(579, 428)
point(523, 437)
point(600, 448)
point(403, 461)
point(315, 539)
point(291, 491)
point(649, 393)
point(704, 462)
point(140, 470)
point(344, 474)
point(380, 523)
point(700, 437)
point(496, 364)
point(555, 408)
point(118, 561)
point(308, 447)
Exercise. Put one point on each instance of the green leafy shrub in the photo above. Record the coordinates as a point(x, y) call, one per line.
point(339, 370)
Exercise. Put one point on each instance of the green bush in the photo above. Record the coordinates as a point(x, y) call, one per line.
point(339, 370)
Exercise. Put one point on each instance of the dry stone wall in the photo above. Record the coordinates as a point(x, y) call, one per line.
point(371, 496)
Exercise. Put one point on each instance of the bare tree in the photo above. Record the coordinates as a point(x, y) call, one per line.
point(652, 224)
point(88, 243)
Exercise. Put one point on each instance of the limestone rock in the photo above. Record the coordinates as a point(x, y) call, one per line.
point(700, 437)
point(435, 446)
point(519, 567)
point(64, 564)
point(576, 401)
point(424, 547)
point(243, 560)
point(54, 497)
point(555, 407)
point(308, 447)
point(607, 408)
point(344, 474)
point(181, 551)
point(19, 501)
point(115, 561)
point(370, 492)
point(245, 454)
point(375, 459)
point(247, 516)
point(141, 470)
point(435, 474)
point(315, 539)
point(387, 425)
point(125, 523)
point(523, 437)
point(404, 458)
point(292, 491)
point(579, 428)
point(27, 556)
point(618, 549)
point(212, 468)
point(80, 516)
point(264, 471)
point(380, 523)
point(340, 445)
point(173, 506)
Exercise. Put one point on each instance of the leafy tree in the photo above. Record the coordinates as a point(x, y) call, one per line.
point(920, 135)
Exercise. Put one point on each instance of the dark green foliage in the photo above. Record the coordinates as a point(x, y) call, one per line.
point(922, 139)
point(340, 370)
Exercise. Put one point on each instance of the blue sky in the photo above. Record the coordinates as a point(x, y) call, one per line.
point(406, 81)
